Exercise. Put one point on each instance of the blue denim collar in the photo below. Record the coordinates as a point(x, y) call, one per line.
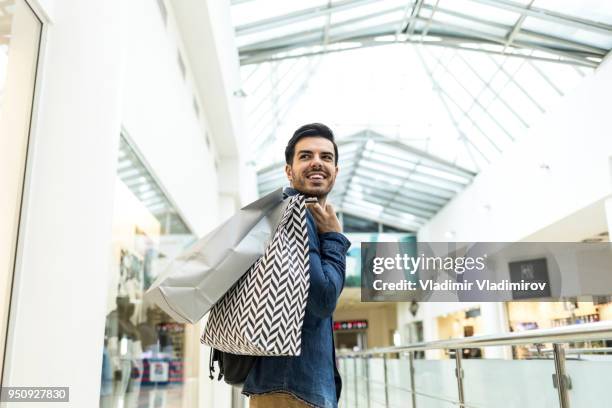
point(289, 191)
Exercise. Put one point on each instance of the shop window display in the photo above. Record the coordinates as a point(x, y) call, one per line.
point(144, 353)
point(464, 323)
point(540, 315)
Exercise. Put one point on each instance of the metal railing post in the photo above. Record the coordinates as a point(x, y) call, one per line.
point(385, 380)
point(346, 393)
point(561, 379)
point(355, 378)
point(459, 375)
point(367, 378)
point(412, 382)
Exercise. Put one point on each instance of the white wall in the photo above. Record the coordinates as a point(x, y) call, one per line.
point(573, 140)
point(207, 34)
point(59, 298)
point(159, 117)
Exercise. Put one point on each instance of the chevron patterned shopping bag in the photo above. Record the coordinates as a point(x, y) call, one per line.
point(263, 313)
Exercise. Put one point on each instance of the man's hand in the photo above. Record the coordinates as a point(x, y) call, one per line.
point(325, 219)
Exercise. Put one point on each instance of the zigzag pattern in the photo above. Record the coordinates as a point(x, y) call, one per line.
point(263, 313)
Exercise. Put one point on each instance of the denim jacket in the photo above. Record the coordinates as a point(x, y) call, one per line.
point(312, 376)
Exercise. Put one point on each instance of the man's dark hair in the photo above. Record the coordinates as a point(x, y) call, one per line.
point(309, 130)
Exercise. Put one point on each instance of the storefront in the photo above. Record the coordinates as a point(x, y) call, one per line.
point(351, 335)
point(463, 323)
point(146, 354)
point(538, 315)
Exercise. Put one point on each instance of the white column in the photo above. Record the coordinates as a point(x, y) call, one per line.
point(495, 321)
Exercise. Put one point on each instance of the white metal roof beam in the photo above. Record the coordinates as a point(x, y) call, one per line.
point(445, 41)
point(415, 13)
point(299, 15)
point(574, 56)
point(299, 37)
point(454, 41)
point(548, 15)
point(553, 45)
point(263, 55)
point(523, 33)
point(516, 28)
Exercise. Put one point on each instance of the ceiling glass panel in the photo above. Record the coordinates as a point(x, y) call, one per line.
point(133, 172)
point(251, 11)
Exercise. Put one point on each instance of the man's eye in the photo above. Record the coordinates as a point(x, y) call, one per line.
point(304, 156)
point(328, 158)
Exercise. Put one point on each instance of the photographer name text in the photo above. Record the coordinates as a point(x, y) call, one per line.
point(450, 285)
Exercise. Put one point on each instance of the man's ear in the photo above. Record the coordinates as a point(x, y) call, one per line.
point(288, 172)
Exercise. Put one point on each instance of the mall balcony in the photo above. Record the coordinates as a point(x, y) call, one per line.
point(130, 129)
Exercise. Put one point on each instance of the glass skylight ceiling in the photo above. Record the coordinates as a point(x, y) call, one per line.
point(134, 173)
point(456, 80)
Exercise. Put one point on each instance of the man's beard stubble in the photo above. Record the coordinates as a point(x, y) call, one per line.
point(317, 192)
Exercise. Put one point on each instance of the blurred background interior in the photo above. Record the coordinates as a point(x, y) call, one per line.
point(130, 129)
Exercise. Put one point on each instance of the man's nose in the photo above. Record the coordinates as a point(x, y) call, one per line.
point(316, 161)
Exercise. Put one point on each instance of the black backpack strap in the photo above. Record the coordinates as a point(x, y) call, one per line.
point(215, 355)
point(211, 363)
point(219, 358)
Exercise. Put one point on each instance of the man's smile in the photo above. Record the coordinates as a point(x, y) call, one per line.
point(316, 176)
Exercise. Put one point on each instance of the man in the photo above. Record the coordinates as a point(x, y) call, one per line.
point(310, 379)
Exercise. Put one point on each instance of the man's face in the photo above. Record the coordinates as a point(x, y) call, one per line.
point(313, 171)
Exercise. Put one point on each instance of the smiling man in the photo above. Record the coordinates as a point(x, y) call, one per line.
point(310, 379)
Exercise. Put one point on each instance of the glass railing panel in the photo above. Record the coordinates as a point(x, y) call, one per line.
point(487, 383)
point(376, 390)
point(510, 384)
point(347, 371)
point(361, 383)
point(590, 380)
point(435, 383)
point(398, 378)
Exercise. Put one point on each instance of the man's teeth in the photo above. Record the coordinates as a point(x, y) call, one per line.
point(316, 177)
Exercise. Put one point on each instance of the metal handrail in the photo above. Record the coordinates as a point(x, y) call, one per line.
point(557, 336)
point(589, 350)
point(566, 334)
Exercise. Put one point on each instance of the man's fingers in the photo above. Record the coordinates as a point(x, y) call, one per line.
point(329, 208)
point(315, 208)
